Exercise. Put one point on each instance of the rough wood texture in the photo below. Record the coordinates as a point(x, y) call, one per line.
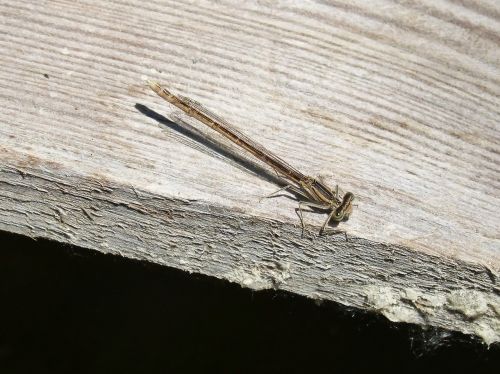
point(397, 102)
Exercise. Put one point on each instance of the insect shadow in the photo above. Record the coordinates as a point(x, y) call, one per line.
point(215, 147)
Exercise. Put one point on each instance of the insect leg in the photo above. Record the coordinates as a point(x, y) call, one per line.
point(309, 205)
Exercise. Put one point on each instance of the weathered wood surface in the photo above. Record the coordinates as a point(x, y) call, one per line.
point(397, 102)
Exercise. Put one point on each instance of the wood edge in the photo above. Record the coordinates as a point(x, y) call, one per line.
point(401, 284)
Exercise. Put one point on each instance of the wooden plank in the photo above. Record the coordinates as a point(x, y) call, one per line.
point(396, 102)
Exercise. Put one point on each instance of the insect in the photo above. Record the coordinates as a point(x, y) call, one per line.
point(316, 194)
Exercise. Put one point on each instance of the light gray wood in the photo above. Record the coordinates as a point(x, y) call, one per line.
point(396, 102)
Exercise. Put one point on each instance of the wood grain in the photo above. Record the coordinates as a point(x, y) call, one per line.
point(397, 102)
